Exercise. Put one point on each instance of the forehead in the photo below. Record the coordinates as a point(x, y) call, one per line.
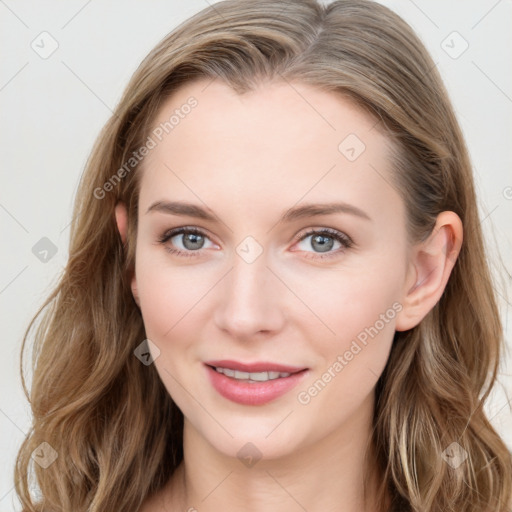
point(282, 142)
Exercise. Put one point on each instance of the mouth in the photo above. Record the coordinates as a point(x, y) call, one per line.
point(264, 376)
point(257, 372)
point(253, 384)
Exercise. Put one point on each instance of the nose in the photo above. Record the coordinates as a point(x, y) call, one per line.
point(249, 300)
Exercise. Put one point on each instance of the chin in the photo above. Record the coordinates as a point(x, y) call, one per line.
point(261, 439)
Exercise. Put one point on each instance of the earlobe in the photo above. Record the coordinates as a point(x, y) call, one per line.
point(431, 265)
point(135, 291)
point(121, 220)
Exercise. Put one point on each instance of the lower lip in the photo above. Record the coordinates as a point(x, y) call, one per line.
point(253, 393)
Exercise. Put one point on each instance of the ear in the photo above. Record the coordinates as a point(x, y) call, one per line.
point(430, 267)
point(121, 214)
point(121, 220)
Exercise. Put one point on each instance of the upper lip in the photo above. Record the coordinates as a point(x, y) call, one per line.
point(261, 366)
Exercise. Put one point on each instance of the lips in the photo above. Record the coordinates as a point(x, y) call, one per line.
point(250, 392)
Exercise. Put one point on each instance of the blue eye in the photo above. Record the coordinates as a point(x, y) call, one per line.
point(324, 240)
point(193, 238)
point(193, 241)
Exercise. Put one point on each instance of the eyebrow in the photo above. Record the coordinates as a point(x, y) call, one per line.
point(299, 212)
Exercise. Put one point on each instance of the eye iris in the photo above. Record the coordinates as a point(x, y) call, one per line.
point(193, 238)
point(326, 242)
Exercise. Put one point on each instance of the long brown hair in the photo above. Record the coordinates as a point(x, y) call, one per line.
point(116, 431)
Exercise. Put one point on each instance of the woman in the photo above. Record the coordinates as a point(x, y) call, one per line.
point(201, 352)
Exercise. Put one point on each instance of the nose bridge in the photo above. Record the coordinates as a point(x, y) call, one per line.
point(249, 298)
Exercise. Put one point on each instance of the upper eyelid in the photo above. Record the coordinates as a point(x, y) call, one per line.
point(329, 231)
point(171, 233)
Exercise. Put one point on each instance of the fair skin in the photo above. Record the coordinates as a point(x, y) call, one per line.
point(247, 160)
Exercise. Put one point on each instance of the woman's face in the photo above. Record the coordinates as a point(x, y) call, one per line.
point(297, 257)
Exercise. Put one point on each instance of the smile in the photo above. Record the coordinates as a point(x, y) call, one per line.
point(253, 387)
point(251, 376)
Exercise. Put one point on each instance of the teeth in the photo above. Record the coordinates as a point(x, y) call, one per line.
point(227, 371)
point(252, 376)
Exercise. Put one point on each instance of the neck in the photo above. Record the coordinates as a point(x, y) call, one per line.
point(329, 475)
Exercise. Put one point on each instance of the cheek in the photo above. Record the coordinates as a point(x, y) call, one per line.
point(170, 301)
point(351, 360)
point(366, 307)
point(168, 292)
point(358, 311)
point(344, 303)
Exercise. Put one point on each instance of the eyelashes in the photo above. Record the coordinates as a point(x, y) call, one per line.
point(181, 231)
point(318, 236)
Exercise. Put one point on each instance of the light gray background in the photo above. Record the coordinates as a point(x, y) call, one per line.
point(53, 108)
